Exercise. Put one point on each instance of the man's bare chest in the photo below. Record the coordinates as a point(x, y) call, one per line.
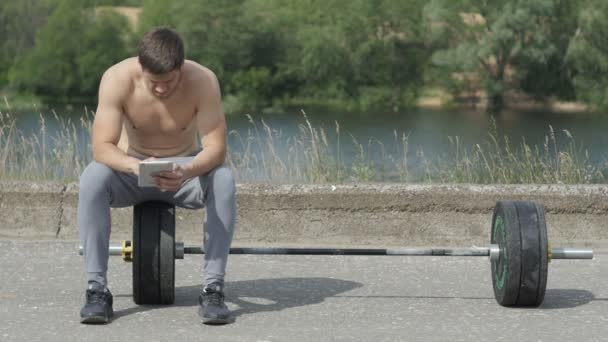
point(146, 114)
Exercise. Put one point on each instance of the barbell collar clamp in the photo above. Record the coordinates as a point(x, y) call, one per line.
point(179, 249)
point(494, 252)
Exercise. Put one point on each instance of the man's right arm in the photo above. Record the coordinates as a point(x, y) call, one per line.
point(107, 125)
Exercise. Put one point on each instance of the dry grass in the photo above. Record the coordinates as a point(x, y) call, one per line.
point(314, 155)
point(39, 156)
point(308, 157)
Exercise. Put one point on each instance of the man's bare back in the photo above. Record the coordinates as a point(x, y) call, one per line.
point(141, 114)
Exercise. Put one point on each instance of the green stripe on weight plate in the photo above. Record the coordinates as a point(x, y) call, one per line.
point(499, 267)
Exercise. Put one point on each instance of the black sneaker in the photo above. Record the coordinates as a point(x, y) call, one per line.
point(98, 308)
point(212, 308)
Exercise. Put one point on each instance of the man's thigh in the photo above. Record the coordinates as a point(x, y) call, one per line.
point(191, 194)
point(122, 187)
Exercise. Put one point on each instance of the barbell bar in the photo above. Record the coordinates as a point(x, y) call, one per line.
point(124, 249)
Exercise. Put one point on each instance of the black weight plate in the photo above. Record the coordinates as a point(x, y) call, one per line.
point(544, 255)
point(153, 253)
point(534, 254)
point(506, 270)
point(167, 255)
point(138, 268)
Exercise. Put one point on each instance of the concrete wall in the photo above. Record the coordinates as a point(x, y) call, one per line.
point(342, 215)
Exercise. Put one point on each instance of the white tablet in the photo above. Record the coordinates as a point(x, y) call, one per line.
point(150, 168)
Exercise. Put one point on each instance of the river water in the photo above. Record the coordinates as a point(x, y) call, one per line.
point(428, 131)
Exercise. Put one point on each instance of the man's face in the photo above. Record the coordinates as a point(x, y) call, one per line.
point(162, 85)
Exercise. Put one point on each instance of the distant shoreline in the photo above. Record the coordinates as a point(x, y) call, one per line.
point(521, 102)
point(512, 102)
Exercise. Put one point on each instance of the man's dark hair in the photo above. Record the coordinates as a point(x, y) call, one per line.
point(161, 50)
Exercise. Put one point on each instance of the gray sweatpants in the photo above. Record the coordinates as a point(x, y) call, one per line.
point(102, 188)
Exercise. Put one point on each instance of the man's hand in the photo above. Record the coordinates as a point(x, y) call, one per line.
point(135, 167)
point(171, 180)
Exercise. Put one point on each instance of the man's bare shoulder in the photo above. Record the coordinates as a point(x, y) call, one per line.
point(199, 75)
point(120, 77)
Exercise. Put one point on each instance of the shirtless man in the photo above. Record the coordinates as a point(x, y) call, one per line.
point(161, 101)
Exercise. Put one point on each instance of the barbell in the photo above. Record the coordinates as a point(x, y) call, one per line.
point(519, 253)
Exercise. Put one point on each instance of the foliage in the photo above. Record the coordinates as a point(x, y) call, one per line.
point(358, 50)
point(361, 54)
point(492, 39)
point(72, 51)
point(553, 76)
point(19, 22)
point(224, 37)
point(588, 53)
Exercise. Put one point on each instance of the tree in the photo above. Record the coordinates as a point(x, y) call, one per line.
point(105, 42)
point(390, 52)
point(588, 54)
point(19, 22)
point(491, 39)
point(367, 52)
point(552, 77)
point(370, 53)
point(72, 50)
point(157, 13)
point(228, 37)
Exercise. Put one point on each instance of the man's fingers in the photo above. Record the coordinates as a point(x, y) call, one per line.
point(170, 180)
point(169, 184)
point(171, 174)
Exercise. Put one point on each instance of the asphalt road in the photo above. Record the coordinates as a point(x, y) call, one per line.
point(303, 298)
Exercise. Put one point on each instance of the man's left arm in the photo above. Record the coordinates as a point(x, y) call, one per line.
point(211, 127)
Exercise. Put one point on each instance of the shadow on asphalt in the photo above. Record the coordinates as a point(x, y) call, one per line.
point(251, 296)
point(419, 297)
point(567, 298)
point(554, 298)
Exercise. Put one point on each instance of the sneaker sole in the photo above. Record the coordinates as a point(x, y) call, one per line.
point(95, 320)
point(217, 321)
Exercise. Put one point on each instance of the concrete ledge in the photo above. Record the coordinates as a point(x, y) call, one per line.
point(344, 215)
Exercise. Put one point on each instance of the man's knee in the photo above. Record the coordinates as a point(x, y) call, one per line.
point(222, 180)
point(95, 178)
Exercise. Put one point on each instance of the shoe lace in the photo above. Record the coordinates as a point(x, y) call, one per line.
point(213, 297)
point(98, 297)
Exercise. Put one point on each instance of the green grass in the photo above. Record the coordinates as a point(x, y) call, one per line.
point(264, 154)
